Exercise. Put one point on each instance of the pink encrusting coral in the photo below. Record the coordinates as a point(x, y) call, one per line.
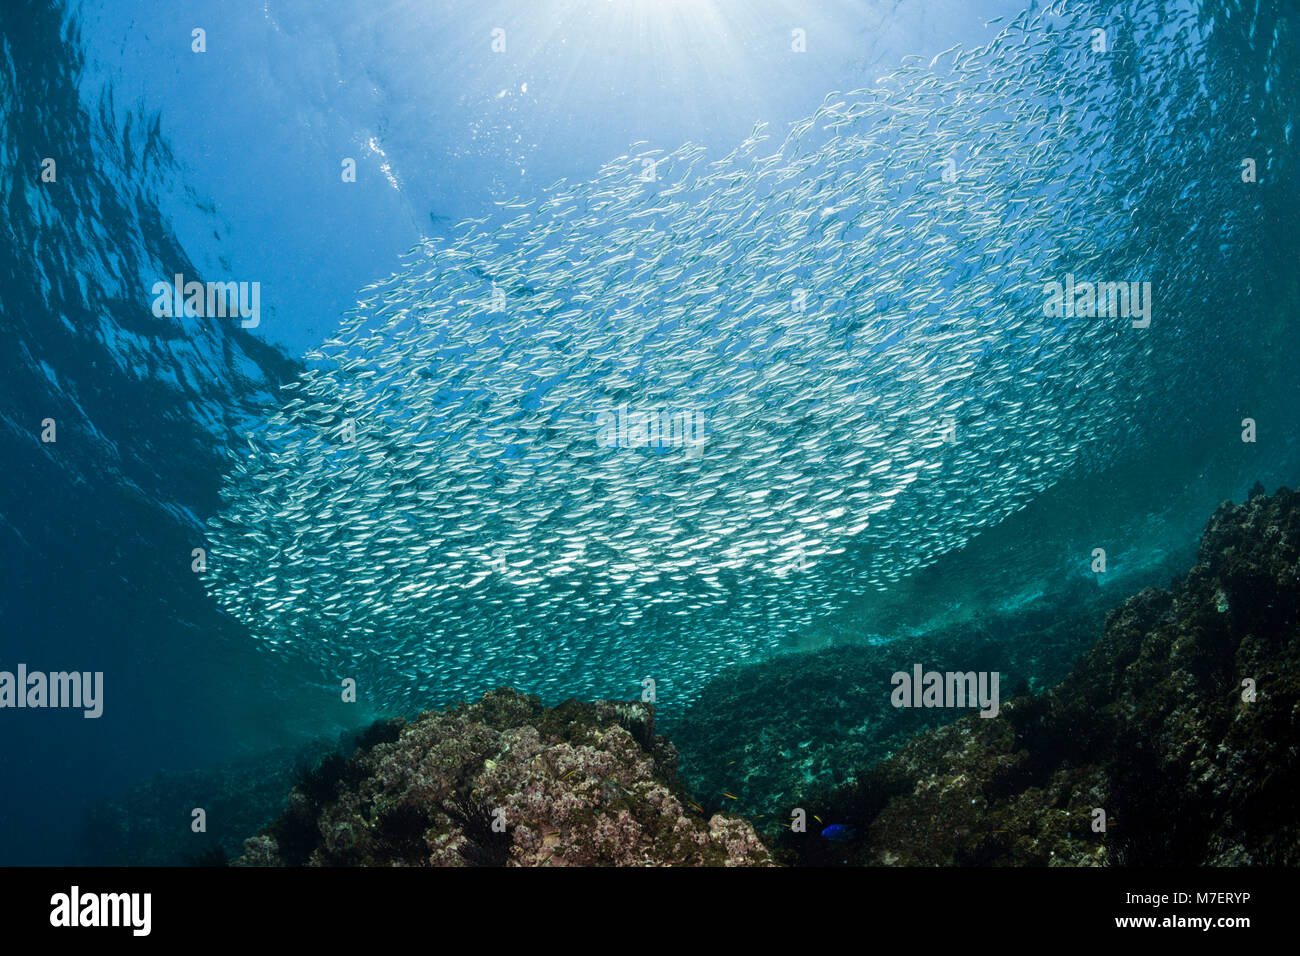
point(506, 781)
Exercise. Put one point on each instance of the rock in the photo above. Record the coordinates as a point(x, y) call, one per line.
point(1154, 725)
point(766, 731)
point(506, 781)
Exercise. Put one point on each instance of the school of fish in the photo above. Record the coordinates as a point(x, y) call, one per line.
point(854, 308)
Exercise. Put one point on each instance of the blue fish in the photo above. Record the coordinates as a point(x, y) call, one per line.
point(838, 831)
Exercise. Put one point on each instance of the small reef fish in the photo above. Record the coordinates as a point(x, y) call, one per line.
point(839, 832)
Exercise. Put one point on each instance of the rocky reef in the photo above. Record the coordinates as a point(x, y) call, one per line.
point(1182, 724)
point(505, 781)
point(765, 732)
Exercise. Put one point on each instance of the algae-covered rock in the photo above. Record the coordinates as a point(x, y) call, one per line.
point(1181, 724)
point(506, 781)
point(764, 732)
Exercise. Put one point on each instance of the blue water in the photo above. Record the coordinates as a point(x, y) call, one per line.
point(226, 165)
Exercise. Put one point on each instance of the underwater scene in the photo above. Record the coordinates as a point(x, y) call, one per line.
point(649, 433)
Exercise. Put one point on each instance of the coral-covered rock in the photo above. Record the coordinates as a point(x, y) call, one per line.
point(506, 781)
